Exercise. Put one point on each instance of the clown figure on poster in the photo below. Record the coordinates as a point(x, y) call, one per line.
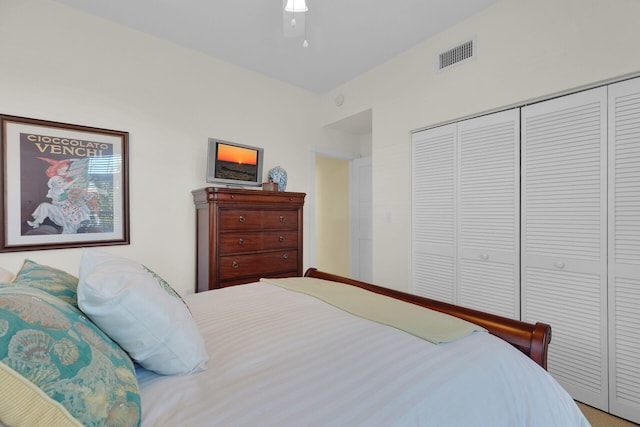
point(71, 203)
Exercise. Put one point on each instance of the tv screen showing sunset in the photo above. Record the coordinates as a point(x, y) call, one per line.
point(237, 163)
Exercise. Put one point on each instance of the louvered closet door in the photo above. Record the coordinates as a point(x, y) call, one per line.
point(488, 213)
point(624, 249)
point(433, 243)
point(564, 243)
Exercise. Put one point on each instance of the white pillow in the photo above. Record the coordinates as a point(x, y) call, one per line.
point(5, 276)
point(141, 312)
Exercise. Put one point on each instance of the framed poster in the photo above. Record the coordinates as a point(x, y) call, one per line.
point(62, 185)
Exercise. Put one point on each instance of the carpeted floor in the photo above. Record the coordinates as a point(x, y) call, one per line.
point(598, 418)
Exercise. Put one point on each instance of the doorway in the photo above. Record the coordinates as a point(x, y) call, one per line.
point(340, 215)
point(340, 200)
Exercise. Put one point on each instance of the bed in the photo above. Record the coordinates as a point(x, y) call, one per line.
point(280, 354)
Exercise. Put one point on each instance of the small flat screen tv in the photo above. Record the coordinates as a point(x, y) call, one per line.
point(230, 163)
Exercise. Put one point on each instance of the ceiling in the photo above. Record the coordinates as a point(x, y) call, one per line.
point(346, 37)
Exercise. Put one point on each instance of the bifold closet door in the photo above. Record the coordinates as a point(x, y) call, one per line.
point(465, 213)
point(624, 249)
point(488, 199)
point(434, 213)
point(564, 236)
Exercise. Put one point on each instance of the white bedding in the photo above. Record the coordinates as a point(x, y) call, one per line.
point(281, 358)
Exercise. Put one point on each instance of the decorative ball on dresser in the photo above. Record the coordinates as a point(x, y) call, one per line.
point(279, 176)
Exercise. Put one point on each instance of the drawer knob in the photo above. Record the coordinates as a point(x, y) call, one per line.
point(241, 241)
point(285, 256)
point(282, 218)
point(241, 218)
point(559, 264)
point(281, 238)
point(235, 264)
point(484, 256)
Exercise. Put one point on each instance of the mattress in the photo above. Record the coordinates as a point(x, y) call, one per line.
point(282, 358)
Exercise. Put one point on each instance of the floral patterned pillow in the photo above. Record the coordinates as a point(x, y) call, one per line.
point(55, 347)
point(51, 280)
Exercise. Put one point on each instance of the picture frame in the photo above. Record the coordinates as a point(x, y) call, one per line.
point(62, 185)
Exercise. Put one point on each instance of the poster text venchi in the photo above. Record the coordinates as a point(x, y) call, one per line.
point(67, 147)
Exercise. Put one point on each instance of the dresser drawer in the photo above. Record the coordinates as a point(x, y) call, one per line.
point(257, 265)
point(280, 219)
point(246, 219)
point(239, 241)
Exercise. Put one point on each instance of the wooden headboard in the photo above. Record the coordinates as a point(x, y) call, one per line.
point(532, 339)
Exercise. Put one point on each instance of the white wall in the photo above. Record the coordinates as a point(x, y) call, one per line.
point(60, 64)
point(525, 50)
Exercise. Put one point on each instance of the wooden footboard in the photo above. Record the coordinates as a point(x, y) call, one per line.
point(532, 340)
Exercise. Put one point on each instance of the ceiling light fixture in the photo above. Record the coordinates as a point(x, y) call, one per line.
point(296, 6)
point(292, 27)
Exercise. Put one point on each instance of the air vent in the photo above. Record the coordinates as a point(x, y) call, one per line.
point(460, 53)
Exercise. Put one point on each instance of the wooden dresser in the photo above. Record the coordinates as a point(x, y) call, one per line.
point(243, 235)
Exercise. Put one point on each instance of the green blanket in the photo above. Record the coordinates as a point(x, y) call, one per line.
point(424, 323)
